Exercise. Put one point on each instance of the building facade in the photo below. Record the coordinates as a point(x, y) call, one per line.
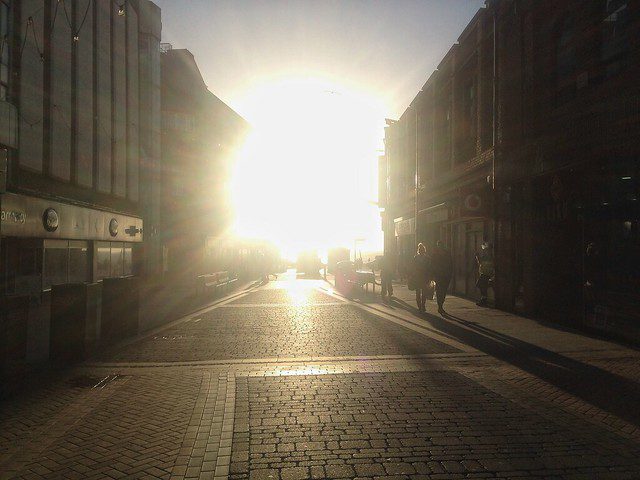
point(77, 116)
point(527, 136)
point(440, 152)
point(568, 170)
point(201, 137)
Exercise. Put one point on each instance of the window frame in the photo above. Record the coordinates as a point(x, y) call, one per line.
point(615, 28)
point(5, 54)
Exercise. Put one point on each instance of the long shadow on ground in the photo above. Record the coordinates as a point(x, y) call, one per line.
point(610, 392)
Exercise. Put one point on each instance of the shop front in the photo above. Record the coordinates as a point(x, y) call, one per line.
point(610, 253)
point(469, 225)
point(45, 243)
point(432, 224)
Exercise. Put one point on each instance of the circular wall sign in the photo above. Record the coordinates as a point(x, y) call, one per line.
point(472, 202)
point(113, 227)
point(50, 220)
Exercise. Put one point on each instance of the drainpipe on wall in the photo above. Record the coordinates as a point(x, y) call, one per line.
point(496, 283)
point(415, 222)
point(494, 101)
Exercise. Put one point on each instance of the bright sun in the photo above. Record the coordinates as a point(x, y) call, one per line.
point(307, 176)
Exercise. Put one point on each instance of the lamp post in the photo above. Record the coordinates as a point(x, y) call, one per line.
point(355, 248)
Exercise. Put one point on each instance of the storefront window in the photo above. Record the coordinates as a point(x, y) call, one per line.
point(103, 260)
point(78, 262)
point(56, 263)
point(128, 259)
point(28, 278)
point(615, 35)
point(117, 260)
point(114, 259)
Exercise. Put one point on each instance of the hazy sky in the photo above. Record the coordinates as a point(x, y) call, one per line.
point(386, 47)
point(315, 79)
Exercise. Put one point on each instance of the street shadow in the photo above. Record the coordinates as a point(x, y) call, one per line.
point(610, 392)
point(365, 297)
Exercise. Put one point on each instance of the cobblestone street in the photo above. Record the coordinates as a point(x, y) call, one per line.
point(293, 381)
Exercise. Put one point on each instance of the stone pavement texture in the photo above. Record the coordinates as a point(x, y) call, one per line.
point(293, 381)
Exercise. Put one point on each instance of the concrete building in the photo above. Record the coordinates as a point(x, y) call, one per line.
point(527, 136)
point(201, 137)
point(79, 126)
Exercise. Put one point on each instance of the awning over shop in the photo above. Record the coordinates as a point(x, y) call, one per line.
point(404, 226)
point(434, 214)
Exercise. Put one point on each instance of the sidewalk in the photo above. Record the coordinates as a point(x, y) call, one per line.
point(592, 376)
point(464, 312)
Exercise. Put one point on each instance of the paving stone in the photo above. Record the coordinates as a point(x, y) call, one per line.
point(408, 407)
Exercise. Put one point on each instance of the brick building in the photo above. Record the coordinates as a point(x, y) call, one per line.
point(563, 114)
point(568, 172)
point(444, 142)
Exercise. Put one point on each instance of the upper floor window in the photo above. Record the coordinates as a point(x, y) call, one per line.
point(566, 59)
point(566, 49)
point(615, 35)
point(4, 49)
point(469, 109)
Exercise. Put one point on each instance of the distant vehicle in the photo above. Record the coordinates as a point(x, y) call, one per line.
point(336, 255)
point(309, 263)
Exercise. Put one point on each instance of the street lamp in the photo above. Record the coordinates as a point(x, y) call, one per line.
point(355, 248)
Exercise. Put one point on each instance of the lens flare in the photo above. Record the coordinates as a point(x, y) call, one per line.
point(307, 176)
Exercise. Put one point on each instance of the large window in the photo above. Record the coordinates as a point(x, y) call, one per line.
point(116, 260)
point(615, 35)
point(4, 49)
point(113, 259)
point(65, 262)
point(79, 270)
point(103, 260)
point(566, 61)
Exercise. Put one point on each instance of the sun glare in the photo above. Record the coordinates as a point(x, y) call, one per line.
point(307, 176)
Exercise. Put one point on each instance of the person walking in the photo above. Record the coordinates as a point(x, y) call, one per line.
point(484, 259)
point(386, 276)
point(441, 268)
point(421, 276)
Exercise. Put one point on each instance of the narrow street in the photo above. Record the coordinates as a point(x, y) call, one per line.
point(291, 380)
